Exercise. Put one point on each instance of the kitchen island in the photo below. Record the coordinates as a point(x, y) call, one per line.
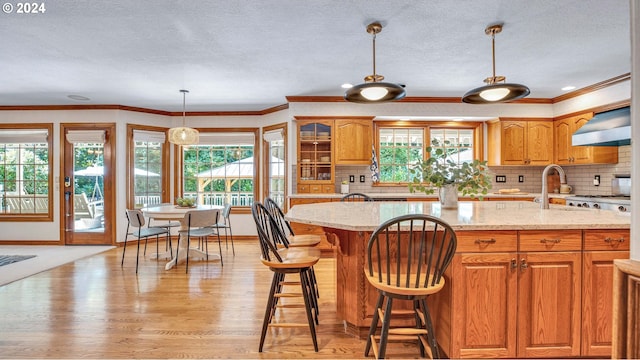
point(524, 282)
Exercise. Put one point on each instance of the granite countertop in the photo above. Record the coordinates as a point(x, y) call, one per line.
point(396, 195)
point(470, 215)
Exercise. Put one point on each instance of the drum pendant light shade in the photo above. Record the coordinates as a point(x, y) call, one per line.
point(496, 90)
point(374, 90)
point(183, 135)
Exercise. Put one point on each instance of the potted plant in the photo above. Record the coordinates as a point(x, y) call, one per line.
point(440, 172)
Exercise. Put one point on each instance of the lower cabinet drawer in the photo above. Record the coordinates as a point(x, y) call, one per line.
point(549, 240)
point(607, 240)
point(487, 241)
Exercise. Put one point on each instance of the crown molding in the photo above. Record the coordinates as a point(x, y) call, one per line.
point(592, 88)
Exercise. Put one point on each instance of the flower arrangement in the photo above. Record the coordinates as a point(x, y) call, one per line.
point(469, 178)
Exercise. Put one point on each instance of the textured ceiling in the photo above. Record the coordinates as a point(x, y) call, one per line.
point(250, 54)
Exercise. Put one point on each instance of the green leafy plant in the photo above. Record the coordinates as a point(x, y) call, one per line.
point(470, 178)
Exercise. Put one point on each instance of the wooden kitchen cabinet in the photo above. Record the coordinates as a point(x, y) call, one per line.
point(565, 153)
point(601, 248)
point(520, 142)
point(354, 139)
point(515, 294)
point(549, 286)
point(315, 169)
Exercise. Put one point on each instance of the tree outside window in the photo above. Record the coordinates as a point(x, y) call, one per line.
point(219, 174)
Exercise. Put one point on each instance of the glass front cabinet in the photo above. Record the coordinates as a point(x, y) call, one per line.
point(315, 164)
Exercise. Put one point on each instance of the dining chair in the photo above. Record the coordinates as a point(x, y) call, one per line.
point(200, 225)
point(406, 258)
point(282, 262)
point(353, 197)
point(225, 223)
point(289, 238)
point(167, 224)
point(135, 220)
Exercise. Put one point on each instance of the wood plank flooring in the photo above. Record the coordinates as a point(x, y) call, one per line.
point(93, 308)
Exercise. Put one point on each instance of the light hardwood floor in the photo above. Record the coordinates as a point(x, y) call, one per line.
point(93, 308)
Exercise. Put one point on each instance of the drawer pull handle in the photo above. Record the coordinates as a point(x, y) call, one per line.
point(610, 240)
point(485, 241)
point(551, 241)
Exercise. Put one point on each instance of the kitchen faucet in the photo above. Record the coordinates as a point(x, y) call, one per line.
point(544, 202)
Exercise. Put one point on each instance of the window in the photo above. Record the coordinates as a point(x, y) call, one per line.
point(276, 163)
point(457, 143)
point(147, 172)
point(400, 146)
point(221, 169)
point(25, 168)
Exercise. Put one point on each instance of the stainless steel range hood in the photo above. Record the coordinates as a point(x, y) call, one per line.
point(611, 128)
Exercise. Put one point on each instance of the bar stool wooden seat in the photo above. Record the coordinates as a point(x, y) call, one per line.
point(282, 262)
point(406, 259)
point(290, 238)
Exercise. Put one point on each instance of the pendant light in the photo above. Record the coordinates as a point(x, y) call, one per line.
point(373, 90)
point(183, 135)
point(496, 90)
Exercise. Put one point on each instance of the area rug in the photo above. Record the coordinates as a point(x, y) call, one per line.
point(44, 257)
point(10, 259)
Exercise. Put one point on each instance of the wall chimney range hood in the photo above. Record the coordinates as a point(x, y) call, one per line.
point(610, 128)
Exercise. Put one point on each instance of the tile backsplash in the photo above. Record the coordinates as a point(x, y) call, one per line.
point(580, 177)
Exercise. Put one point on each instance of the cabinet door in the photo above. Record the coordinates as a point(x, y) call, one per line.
point(539, 143)
point(580, 154)
point(513, 142)
point(549, 286)
point(562, 139)
point(597, 301)
point(315, 151)
point(353, 141)
point(484, 306)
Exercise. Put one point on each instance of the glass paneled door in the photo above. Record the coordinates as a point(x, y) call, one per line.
point(87, 184)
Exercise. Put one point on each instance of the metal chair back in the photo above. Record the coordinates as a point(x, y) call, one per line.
point(353, 197)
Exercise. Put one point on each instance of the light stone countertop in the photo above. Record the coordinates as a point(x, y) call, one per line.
point(395, 195)
point(470, 215)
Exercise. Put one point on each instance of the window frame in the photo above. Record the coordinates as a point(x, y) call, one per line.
point(130, 178)
point(266, 158)
point(179, 164)
point(476, 126)
point(35, 217)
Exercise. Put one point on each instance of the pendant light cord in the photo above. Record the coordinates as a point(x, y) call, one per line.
point(493, 55)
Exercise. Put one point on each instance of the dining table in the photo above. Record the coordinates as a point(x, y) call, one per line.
point(178, 213)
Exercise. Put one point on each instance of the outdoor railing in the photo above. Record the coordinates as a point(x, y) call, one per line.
point(236, 199)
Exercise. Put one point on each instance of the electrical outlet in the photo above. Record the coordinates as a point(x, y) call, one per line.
point(352, 178)
point(361, 178)
point(520, 178)
point(501, 178)
point(596, 180)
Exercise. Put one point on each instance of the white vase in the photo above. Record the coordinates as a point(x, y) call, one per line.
point(344, 188)
point(448, 195)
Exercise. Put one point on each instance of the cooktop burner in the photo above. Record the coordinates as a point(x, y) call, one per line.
point(621, 197)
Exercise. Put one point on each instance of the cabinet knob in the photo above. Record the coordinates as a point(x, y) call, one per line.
point(523, 264)
point(514, 264)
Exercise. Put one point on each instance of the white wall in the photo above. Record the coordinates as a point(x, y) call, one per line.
point(635, 130)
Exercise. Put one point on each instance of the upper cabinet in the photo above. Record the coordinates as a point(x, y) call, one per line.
point(520, 142)
point(566, 153)
point(353, 141)
point(315, 155)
